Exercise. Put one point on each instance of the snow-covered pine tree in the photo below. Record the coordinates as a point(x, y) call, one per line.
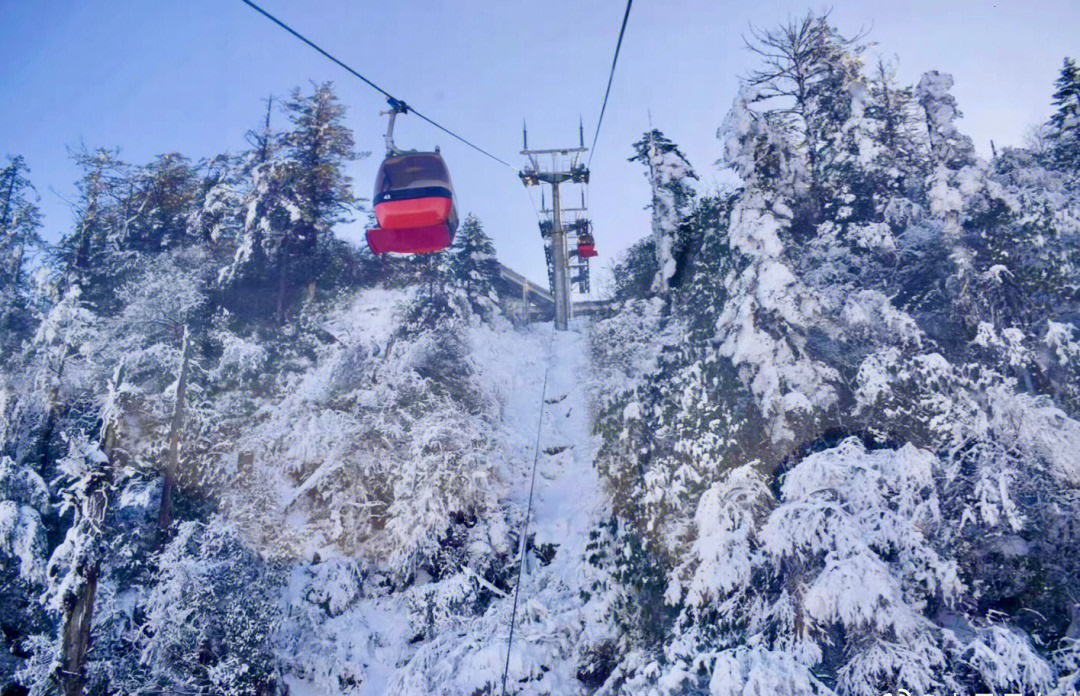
point(297, 190)
point(948, 146)
point(803, 64)
point(161, 205)
point(471, 261)
point(20, 220)
point(950, 150)
point(89, 470)
point(892, 106)
point(669, 176)
point(263, 223)
point(25, 508)
point(88, 255)
point(634, 271)
point(701, 291)
point(898, 161)
point(57, 374)
point(1064, 131)
point(317, 147)
point(215, 216)
point(209, 618)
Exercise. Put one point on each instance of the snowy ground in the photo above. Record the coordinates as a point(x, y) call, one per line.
point(373, 637)
point(568, 491)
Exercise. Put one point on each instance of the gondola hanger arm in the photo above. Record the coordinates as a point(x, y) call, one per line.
point(396, 107)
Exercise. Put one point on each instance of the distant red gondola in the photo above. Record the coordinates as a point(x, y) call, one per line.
point(586, 246)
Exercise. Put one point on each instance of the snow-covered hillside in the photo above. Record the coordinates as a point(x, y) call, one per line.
point(446, 631)
point(823, 440)
point(845, 431)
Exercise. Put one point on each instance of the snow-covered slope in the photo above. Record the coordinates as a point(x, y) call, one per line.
point(424, 638)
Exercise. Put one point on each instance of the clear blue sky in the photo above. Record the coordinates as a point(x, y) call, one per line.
point(153, 76)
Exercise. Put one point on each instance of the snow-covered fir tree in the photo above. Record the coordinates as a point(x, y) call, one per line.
point(20, 220)
point(163, 203)
point(1064, 126)
point(670, 177)
point(471, 260)
point(296, 191)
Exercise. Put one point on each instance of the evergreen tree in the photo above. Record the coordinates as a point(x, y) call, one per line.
point(805, 63)
point(318, 147)
point(25, 507)
point(702, 294)
point(264, 221)
point(672, 198)
point(899, 161)
point(88, 256)
point(209, 618)
point(948, 146)
point(1065, 122)
point(872, 170)
point(88, 472)
point(163, 197)
point(216, 218)
point(634, 271)
point(471, 261)
point(298, 191)
point(950, 152)
point(20, 220)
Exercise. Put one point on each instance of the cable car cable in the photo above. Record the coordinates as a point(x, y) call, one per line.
point(528, 509)
point(393, 100)
point(611, 76)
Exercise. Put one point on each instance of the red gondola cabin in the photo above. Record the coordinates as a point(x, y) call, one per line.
point(586, 246)
point(414, 203)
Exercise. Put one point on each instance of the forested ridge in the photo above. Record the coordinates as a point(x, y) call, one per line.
point(822, 440)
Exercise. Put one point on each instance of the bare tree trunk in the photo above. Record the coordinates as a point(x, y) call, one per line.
point(165, 517)
point(264, 138)
point(79, 615)
point(280, 313)
point(77, 634)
